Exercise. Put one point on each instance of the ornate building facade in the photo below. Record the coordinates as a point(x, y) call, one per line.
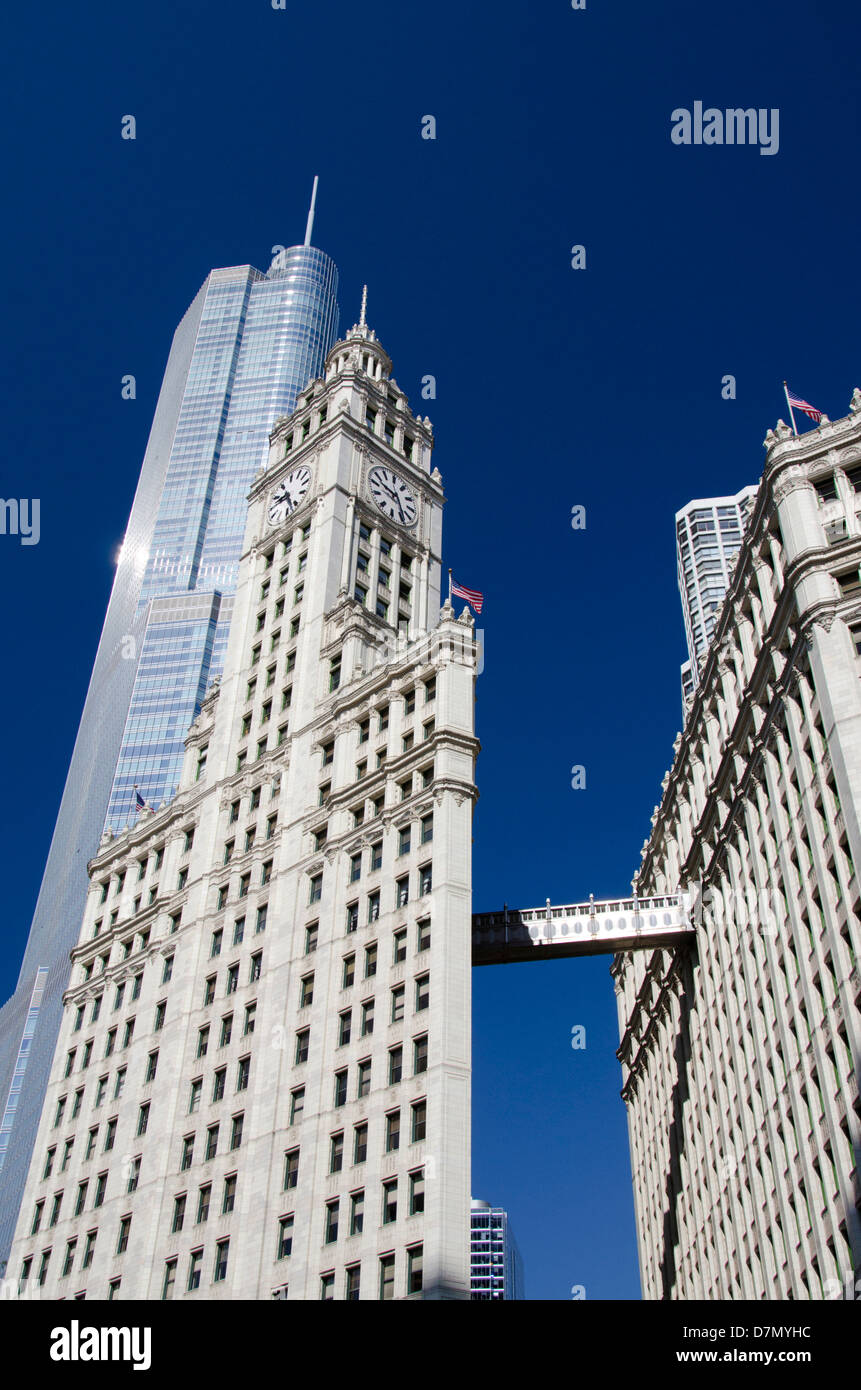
point(262, 1081)
point(741, 1058)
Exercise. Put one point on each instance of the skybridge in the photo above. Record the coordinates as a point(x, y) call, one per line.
point(581, 929)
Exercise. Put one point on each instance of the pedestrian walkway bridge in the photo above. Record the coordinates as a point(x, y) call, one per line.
point(581, 929)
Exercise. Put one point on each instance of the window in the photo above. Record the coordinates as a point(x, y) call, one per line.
point(352, 917)
point(425, 879)
point(311, 938)
point(414, 1269)
point(194, 1265)
point(178, 1213)
point(219, 1081)
point(402, 891)
point(396, 1065)
point(202, 1041)
point(357, 1213)
point(49, 1163)
point(250, 1018)
point(398, 996)
point(37, 1218)
point(151, 1067)
point(316, 888)
point(266, 873)
point(244, 885)
point(233, 814)
point(328, 753)
point(352, 1283)
point(355, 867)
point(81, 1198)
point(291, 1169)
point(101, 1088)
point(400, 946)
point(393, 1131)
point(373, 907)
point(297, 1104)
point(427, 729)
point(367, 1017)
point(110, 1135)
point(67, 1153)
point(243, 1073)
point(327, 1287)
point(423, 930)
point(262, 914)
point(360, 1143)
point(89, 1249)
point(236, 1132)
point(334, 672)
point(160, 1011)
point(169, 1279)
point(228, 1201)
point(422, 992)
point(226, 1030)
point(91, 1143)
point(370, 961)
point(364, 1078)
point(390, 1201)
point(377, 804)
point(404, 841)
point(187, 1153)
point(285, 1237)
point(167, 970)
point(417, 1192)
point(79, 1018)
point(215, 945)
point(118, 997)
point(377, 856)
point(420, 1054)
point(419, 1121)
point(203, 1203)
point(306, 991)
point(211, 1142)
point(340, 1088)
point(336, 1153)
point(427, 775)
point(143, 1118)
point(361, 770)
point(232, 980)
point(182, 879)
point(123, 1238)
point(238, 931)
point(209, 990)
point(120, 1083)
point(345, 1024)
point(427, 829)
point(69, 1260)
point(387, 1277)
point(97, 1008)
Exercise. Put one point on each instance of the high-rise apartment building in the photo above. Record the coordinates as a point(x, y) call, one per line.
point(708, 539)
point(248, 343)
point(741, 1059)
point(262, 1081)
point(495, 1266)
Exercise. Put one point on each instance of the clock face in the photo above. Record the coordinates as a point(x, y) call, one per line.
point(287, 496)
point(392, 496)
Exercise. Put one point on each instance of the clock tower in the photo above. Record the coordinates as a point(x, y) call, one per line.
point(313, 902)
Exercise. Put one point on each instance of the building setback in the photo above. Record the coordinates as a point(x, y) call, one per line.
point(262, 1081)
point(246, 345)
point(741, 1061)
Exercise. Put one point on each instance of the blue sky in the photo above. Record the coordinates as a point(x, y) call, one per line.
point(556, 387)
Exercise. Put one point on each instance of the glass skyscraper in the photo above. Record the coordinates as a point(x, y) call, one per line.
point(495, 1265)
point(247, 344)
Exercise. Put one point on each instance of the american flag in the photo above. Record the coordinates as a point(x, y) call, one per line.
point(472, 596)
point(140, 804)
point(804, 405)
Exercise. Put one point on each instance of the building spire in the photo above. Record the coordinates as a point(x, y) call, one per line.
point(311, 211)
point(362, 317)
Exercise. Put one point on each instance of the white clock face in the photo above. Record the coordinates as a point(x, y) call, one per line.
point(392, 496)
point(287, 496)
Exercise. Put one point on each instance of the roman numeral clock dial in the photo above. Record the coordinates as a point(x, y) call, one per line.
point(392, 496)
point(288, 495)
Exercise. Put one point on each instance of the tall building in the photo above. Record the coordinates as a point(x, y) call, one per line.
point(495, 1266)
point(262, 1080)
point(246, 346)
point(741, 1059)
point(708, 539)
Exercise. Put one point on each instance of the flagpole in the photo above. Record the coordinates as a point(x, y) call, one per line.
point(791, 412)
point(449, 588)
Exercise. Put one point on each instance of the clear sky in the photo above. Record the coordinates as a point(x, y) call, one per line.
point(556, 387)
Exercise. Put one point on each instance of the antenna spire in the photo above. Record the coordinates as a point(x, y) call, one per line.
point(311, 211)
point(362, 323)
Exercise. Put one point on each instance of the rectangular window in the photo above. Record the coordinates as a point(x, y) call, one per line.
point(390, 1201)
point(398, 997)
point(402, 891)
point(211, 1142)
point(285, 1237)
point(387, 1277)
point(364, 1078)
point(400, 946)
point(423, 933)
point(226, 1030)
point(415, 1259)
point(297, 1104)
point(393, 1131)
point(419, 1121)
point(203, 1200)
point(425, 879)
point(367, 1017)
point(336, 1153)
point(123, 1237)
point(143, 1118)
point(357, 1213)
point(420, 1054)
point(291, 1169)
point(151, 1067)
point(417, 1192)
point(236, 1132)
point(262, 914)
point(243, 1073)
point(311, 932)
point(303, 1044)
point(194, 1266)
point(396, 1065)
point(373, 908)
point(352, 917)
point(178, 1213)
point(360, 1143)
point(422, 992)
point(250, 1017)
point(306, 991)
point(169, 1279)
point(370, 961)
point(316, 888)
point(355, 867)
point(187, 1153)
point(340, 1088)
point(377, 856)
point(228, 1201)
point(218, 1083)
point(345, 1023)
point(238, 931)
